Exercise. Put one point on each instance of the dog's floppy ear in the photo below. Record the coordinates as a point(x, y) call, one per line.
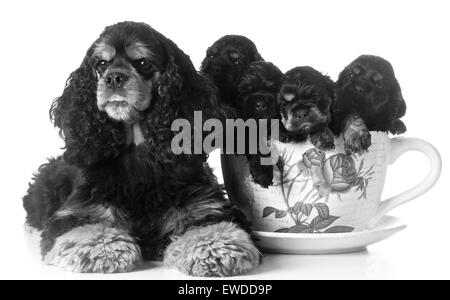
point(89, 135)
point(341, 77)
point(178, 70)
point(397, 105)
point(257, 56)
point(331, 87)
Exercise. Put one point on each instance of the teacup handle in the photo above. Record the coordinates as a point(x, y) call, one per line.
point(399, 146)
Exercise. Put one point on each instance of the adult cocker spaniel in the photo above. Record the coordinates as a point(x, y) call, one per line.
point(119, 195)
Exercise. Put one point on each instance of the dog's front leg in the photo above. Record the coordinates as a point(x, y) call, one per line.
point(357, 137)
point(89, 240)
point(323, 139)
point(217, 250)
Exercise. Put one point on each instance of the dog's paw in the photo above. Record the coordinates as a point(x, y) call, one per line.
point(397, 127)
point(217, 250)
point(95, 249)
point(356, 135)
point(358, 142)
point(323, 140)
point(263, 176)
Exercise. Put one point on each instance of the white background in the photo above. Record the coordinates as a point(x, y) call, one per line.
point(43, 41)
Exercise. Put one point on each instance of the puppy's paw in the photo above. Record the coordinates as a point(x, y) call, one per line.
point(263, 176)
point(217, 250)
point(95, 249)
point(397, 127)
point(358, 142)
point(323, 140)
point(356, 135)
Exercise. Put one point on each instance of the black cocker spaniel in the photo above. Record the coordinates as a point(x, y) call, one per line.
point(119, 195)
point(258, 91)
point(305, 99)
point(368, 98)
point(225, 62)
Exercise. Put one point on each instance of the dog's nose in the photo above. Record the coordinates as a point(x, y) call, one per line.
point(115, 80)
point(288, 96)
point(215, 68)
point(359, 89)
point(260, 105)
point(301, 114)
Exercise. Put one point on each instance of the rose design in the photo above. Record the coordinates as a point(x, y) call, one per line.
point(313, 157)
point(313, 160)
point(339, 171)
point(333, 176)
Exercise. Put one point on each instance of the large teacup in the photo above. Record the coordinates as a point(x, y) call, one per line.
point(325, 192)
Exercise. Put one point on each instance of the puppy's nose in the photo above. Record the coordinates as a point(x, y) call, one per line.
point(288, 96)
point(116, 80)
point(260, 106)
point(215, 68)
point(301, 113)
point(359, 89)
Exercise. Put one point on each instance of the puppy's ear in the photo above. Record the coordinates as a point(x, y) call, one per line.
point(397, 105)
point(257, 56)
point(341, 78)
point(331, 88)
point(89, 135)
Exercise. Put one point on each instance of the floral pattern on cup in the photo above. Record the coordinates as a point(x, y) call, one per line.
point(333, 176)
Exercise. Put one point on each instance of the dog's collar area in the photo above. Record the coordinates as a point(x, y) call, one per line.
point(134, 134)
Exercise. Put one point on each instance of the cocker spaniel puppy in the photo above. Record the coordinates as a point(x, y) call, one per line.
point(305, 99)
point(225, 62)
point(258, 90)
point(119, 195)
point(369, 98)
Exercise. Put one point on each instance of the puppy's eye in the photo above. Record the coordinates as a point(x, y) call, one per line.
point(351, 75)
point(379, 86)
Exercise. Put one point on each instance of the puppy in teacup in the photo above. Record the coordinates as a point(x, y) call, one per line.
point(225, 62)
point(369, 98)
point(258, 90)
point(305, 100)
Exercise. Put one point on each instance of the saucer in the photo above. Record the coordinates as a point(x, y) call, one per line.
point(327, 243)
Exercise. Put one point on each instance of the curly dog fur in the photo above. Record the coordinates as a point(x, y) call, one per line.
point(222, 249)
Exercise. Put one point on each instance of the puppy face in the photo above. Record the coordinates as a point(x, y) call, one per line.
point(228, 58)
point(305, 98)
point(127, 62)
point(258, 90)
point(366, 85)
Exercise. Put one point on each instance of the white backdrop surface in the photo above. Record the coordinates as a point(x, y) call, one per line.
point(43, 41)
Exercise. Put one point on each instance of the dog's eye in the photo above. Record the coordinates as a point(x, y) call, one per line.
point(351, 75)
point(144, 66)
point(379, 86)
point(101, 66)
